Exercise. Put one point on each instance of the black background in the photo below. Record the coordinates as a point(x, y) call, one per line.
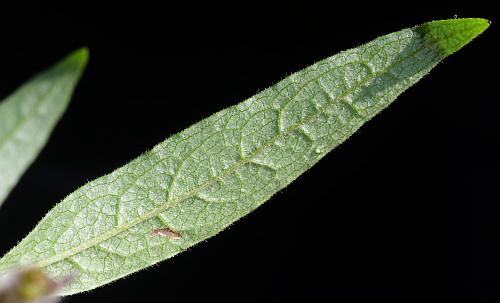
point(407, 208)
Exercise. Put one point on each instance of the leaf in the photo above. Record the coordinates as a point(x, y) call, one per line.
point(28, 116)
point(196, 183)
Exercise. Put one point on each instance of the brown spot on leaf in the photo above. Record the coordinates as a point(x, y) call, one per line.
point(166, 232)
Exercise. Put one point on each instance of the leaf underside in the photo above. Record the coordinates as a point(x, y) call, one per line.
point(28, 116)
point(204, 178)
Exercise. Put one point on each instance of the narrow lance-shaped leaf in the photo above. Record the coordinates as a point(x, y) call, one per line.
point(28, 116)
point(199, 181)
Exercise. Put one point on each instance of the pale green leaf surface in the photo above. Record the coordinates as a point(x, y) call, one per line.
point(204, 178)
point(29, 114)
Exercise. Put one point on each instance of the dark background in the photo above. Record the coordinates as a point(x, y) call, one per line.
point(407, 208)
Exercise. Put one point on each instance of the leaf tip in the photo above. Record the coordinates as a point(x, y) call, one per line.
point(76, 61)
point(80, 57)
point(448, 36)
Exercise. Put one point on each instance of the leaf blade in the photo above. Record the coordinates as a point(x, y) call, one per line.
point(201, 180)
point(29, 114)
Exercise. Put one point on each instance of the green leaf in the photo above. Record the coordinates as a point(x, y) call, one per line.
point(196, 183)
point(28, 116)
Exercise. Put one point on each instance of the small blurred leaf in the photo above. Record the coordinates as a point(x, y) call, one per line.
point(28, 116)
